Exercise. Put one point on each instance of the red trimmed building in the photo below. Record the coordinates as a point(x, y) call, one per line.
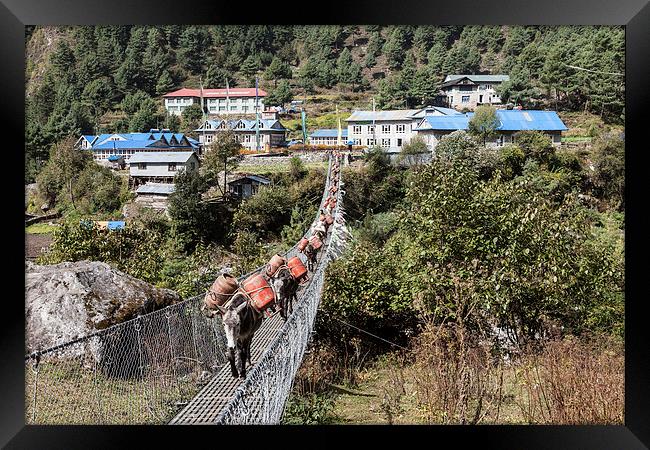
point(216, 101)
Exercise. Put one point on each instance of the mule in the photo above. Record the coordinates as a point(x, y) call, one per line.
point(310, 253)
point(240, 322)
point(286, 288)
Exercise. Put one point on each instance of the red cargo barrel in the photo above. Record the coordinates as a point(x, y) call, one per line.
point(221, 291)
point(333, 189)
point(302, 244)
point(329, 220)
point(315, 242)
point(259, 291)
point(297, 268)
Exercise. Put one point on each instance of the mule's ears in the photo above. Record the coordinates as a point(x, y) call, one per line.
point(222, 309)
point(241, 307)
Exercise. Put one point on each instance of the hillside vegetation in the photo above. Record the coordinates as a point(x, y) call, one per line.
point(110, 78)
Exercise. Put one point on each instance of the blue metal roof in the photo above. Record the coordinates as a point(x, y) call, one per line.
point(511, 120)
point(135, 144)
point(517, 120)
point(115, 224)
point(331, 132)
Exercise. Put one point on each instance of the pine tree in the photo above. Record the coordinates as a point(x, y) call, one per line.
point(277, 70)
point(164, 84)
point(395, 47)
point(280, 95)
point(249, 68)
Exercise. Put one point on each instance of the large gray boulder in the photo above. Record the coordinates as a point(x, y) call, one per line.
point(72, 299)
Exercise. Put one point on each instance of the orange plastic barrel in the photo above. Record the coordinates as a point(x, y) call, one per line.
point(259, 291)
point(221, 291)
point(273, 265)
point(302, 244)
point(315, 242)
point(329, 220)
point(297, 268)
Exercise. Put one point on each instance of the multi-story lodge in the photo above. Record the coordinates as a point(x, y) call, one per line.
point(219, 102)
point(433, 128)
point(126, 145)
point(160, 167)
point(388, 129)
point(469, 91)
point(272, 132)
point(328, 137)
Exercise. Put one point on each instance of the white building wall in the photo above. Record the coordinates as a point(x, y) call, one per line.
point(161, 169)
point(391, 134)
point(217, 106)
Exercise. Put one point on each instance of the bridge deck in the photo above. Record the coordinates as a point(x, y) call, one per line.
point(206, 405)
point(204, 408)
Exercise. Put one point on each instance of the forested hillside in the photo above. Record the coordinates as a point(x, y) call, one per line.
point(110, 78)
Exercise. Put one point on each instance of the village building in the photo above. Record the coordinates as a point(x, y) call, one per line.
point(155, 195)
point(160, 167)
point(328, 137)
point(125, 145)
point(247, 186)
point(271, 131)
point(389, 129)
point(470, 91)
point(216, 101)
point(433, 128)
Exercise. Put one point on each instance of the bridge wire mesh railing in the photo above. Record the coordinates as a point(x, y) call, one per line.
point(262, 396)
point(137, 372)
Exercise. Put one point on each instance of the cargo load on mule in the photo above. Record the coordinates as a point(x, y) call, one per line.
point(259, 291)
point(222, 290)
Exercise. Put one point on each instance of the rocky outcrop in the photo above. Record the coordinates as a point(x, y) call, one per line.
point(72, 299)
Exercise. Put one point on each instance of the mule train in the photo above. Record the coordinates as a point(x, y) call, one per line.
point(269, 291)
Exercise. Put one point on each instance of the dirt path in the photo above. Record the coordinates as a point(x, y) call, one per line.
point(35, 243)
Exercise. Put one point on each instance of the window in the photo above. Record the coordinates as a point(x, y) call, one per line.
point(385, 143)
point(465, 88)
point(370, 142)
point(244, 108)
point(400, 127)
point(371, 129)
point(192, 165)
point(465, 99)
point(357, 142)
point(385, 129)
point(557, 138)
point(500, 141)
point(399, 142)
point(356, 129)
point(233, 108)
point(213, 108)
point(208, 138)
point(142, 166)
point(222, 108)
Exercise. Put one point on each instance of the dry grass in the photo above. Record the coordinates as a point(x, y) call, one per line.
point(455, 381)
point(573, 381)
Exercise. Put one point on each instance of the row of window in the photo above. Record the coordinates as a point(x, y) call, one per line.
point(385, 129)
point(171, 167)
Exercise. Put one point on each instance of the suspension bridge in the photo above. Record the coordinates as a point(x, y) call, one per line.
point(171, 367)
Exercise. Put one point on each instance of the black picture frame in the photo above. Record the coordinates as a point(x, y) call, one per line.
point(634, 14)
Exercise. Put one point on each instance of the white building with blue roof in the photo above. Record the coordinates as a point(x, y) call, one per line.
point(328, 136)
point(272, 132)
point(389, 129)
point(126, 145)
point(434, 128)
